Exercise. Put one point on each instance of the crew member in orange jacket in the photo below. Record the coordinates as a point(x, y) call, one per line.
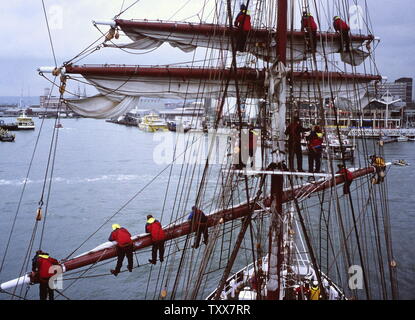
point(158, 237)
point(243, 22)
point(310, 27)
point(41, 267)
point(124, 247)
point(341, 27)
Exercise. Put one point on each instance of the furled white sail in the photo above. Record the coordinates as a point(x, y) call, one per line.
point(103, 106)
point(180, 88)
point(174, 88)
point(261, 43)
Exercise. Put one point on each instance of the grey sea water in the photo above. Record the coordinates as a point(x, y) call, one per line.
point(100, 167)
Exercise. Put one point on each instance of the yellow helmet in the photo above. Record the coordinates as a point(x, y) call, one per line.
point(116, 226)
point(336, 17)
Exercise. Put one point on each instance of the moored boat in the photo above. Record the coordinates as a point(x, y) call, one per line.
point(8, 126)
point(402, 139)
point(24, 122)
point(152, 123)
point(6, 136)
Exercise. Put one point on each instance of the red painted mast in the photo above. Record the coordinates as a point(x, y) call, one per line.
point(277, 181)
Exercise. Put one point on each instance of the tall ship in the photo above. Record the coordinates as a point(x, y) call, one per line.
point(274, 234)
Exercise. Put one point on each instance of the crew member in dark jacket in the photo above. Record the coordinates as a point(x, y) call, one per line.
point(199, 225)
point(310, 27)
point(158, 237)
point(124, 247)
point(294, 132)
point(243, 23)
point(341, 27)
point(41, 272)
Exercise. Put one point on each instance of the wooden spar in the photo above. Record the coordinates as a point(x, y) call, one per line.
point(195, 29)
point(247, 74)
point(182, 229)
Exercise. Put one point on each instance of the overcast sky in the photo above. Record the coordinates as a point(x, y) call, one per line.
point(25, 43)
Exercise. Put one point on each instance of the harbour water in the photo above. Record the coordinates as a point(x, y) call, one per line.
point(99, 168)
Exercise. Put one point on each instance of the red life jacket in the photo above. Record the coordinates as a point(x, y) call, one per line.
point(340, 25)
point(315, 142)
point(44, 265)
point(308, 23)
point(243, 21)
point(348, 175)
point(156, 231)
point(122, 236)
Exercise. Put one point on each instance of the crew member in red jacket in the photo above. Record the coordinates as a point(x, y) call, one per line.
point(341, 27)
point(315, 149)
point(310, 27)
point(124, 247)
point(348, 178)
point(243, 22)
point(42, 272)
point(158, 237)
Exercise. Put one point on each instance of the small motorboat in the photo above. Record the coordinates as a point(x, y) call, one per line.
point(8, 126)
point(58, 126)
point(6, 136)
point(402, 139)
point(400, 162)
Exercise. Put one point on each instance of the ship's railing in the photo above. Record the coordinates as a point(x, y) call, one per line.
point(381, 132)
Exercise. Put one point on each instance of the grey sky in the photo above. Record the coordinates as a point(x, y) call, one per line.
point(25, 43)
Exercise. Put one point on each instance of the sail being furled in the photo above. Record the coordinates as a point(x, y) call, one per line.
point(260, 42)
point(103, 106)
point(120, 86)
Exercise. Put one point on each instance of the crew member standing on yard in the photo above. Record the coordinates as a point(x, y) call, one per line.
point(343, 29)
point(124, 247)
point(315, 148)
point(315, 291)
point(294, 131)
point(243, 23)
point(380, 166)
point(42, 272)
point(158, 237)
point(199, 225)
point(310, 27)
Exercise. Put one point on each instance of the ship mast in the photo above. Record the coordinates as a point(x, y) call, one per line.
point(277, 181)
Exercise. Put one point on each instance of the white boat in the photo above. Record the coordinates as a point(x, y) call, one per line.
point(400, 162)
point(402, 139)
point(152, 123)
point(24, 122)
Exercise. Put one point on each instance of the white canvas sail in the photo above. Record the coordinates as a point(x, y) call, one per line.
point(260, 42)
